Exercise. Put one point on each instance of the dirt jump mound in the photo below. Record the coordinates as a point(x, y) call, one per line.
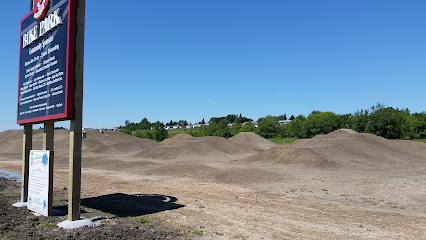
point(348, 149)
point(252, 141)
point(185, 146)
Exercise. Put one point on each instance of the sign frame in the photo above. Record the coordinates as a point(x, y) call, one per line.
point(68, 112)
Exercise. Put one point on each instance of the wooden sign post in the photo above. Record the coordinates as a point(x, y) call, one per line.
point(27, 146)
point(76, 126)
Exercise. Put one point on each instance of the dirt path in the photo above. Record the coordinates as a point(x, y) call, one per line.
point(221, 211)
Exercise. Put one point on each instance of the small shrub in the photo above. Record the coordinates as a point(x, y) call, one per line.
point(47, 225)
point(126, 131)
point(198, 232)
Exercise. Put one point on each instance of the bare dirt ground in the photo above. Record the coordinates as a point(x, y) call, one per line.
point(19, 223)
point(343, 185)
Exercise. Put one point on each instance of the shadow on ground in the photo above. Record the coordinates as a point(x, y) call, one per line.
point(124, 205)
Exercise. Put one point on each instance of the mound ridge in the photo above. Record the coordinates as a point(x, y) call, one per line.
point(95, 144)
point(348, 149)
point(178, 139)
point(287, 155)
point(189, 147)
point(252, 141)
point(114, 143)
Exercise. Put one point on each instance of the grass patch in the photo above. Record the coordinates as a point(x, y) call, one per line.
point(219, 233)
point(421, 140)
point(47, 225)
point(198, 232)
point(142, 220)
point(4, 237)
point(282, 140)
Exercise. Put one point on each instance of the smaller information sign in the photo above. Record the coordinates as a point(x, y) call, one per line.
point(40, 182)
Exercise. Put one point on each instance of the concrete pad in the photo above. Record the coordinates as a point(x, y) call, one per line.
point(75, 224)
point(20, 204)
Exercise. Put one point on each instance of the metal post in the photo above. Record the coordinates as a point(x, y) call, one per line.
point(27, 146)
point(77, 122)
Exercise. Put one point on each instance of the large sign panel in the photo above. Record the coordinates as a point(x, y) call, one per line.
point(46, 65)
point(40, 182)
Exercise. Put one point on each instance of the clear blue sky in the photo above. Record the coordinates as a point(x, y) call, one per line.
point(202, 58)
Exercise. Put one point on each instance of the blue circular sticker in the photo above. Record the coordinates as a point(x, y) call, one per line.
point(45, 159)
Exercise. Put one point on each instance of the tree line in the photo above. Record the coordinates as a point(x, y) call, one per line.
point(387, 122)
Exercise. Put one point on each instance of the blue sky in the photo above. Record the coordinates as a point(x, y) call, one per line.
point(202, 58)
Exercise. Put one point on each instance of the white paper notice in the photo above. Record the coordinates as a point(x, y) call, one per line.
point(38, 182)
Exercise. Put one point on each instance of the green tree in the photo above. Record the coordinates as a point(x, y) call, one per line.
point(127, 123)
point(359, 121)
point(234, 130)
point(387, 122)
point(182, 123)
point(217, 129)
point(344, 120)
point(268, 127)
point(145, 124)
point(296, 128)
point(320, 123)
point(231, 118)
point(282, 117)
point(419, 125)
point(216, 119)
point(160, 133)
point(248, 127)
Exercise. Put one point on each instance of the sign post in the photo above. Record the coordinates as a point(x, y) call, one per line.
point(50, 85)
point(27, 146)
point(76, 125)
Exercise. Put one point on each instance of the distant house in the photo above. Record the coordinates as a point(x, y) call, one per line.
point(189, 126)
point(283, 122)
point(199, 125)
point(172, 127)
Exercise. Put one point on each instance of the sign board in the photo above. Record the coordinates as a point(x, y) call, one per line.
point(47, 62)
point(40, 182)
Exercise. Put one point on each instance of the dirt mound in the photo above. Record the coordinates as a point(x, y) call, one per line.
point(367, 151)
point(337, 134)
point(284, 155)
point(347, 149)
point(190, 147)
point(114, 143)
point(95, 144)
point(178, 139)
point(252, 141)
